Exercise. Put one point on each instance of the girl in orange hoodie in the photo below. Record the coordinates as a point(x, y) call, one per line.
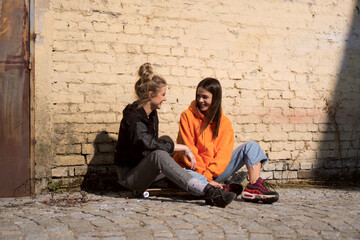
point(208, 133)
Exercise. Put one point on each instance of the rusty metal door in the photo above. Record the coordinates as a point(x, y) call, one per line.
point(14, 98)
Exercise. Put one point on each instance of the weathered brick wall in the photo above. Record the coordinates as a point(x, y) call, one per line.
point(279, 63)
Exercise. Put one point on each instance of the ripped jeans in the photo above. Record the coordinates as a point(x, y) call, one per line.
point(247, 154)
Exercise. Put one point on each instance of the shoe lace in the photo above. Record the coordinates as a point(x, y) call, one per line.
point(268, 185)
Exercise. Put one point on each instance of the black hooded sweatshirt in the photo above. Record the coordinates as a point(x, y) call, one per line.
point(138, 136)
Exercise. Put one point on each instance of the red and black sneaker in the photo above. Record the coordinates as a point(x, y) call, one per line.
point(259, 192)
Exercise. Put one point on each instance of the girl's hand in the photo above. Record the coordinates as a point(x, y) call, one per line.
point(191, 158)
point(216, 184)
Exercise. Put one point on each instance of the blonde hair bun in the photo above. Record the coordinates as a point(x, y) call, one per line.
point(147, 82)
point(145, 72)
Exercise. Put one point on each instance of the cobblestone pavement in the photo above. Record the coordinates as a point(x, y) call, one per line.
point(299, 214)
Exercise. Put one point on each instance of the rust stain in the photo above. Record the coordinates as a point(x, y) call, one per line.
point(26, 36)
point(14, 29)
point(3, 26)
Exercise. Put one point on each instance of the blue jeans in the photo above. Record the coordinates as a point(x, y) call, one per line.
point(247, 154)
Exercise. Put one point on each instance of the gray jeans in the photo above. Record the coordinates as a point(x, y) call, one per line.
point(151, 169)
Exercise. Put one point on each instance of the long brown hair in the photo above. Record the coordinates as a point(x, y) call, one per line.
point(213, 86)
point(147, 82)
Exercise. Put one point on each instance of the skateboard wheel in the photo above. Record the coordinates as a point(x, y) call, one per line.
point(146, 194)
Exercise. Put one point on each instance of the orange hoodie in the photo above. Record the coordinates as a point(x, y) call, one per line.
point(212, 155)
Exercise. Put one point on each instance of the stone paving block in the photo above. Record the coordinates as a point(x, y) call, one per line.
point(63, 238)
point(186, 234)
point(205, 227)
point(130, 226)
point(330, 235)
point(123, 220)
point(8, 226)
point(38, 236)
point(254, 227)
point(285, 235)
point(350, 235)
point(89, 235)
point(213, 234)
point(112, 234)
point(230, 230)
point(140, 234)
point(307, 232)
point(282, 231)
point(82, 226)
point(162, 234)
point(91, 238)
point(6, 234)
point(61, 234)
point(157, 227)
point(115, 238)
point(180, 225)
point(238, 237)
point(31, 230)
point(259, 236)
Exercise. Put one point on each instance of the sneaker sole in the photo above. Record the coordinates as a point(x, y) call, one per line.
point(251, 197)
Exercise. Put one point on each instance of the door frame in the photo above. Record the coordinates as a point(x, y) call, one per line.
point(32, 141)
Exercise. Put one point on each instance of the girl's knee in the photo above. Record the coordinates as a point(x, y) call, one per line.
point(252, 144)
point(160, 153)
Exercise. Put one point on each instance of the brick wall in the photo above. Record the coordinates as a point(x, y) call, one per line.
point(279, 62)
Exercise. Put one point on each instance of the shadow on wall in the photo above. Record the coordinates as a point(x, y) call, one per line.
point(101, 173)
point(339, 157)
